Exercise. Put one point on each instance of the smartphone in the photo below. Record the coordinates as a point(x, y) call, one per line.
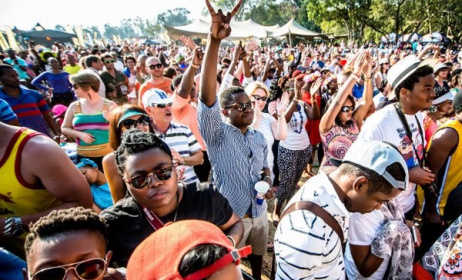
point(414, 234)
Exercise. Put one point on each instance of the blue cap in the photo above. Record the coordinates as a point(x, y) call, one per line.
point(86, 162)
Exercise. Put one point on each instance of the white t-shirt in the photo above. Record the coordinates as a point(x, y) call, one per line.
point(385, 125)
point(362, 231)
point(265, 129)
point(297, 136)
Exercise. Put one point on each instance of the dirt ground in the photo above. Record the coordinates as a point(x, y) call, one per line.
point(267, 259)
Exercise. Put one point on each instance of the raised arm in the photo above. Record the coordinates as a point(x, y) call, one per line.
point(220, 29)
point(184, 89)
point(366, 102)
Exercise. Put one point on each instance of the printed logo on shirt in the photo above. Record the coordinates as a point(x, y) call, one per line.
point(406, 149)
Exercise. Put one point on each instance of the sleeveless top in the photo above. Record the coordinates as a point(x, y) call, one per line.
point(17, 197)
point(450, 176)
point(297, 137)
point(96, 125)
point(337, 141)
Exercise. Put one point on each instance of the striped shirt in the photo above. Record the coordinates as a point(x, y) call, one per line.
point(30, 107)
point(237, 159)
point(181, 139)
point(6, 113)
point(305, 246)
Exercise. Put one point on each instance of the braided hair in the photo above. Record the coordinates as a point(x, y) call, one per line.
point(134, 142)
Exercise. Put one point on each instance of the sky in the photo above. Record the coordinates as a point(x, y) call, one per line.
point(24, 14)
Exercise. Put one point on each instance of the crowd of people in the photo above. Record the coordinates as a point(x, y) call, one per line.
point(151, 162)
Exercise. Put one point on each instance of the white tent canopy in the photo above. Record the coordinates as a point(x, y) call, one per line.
point(294, 28)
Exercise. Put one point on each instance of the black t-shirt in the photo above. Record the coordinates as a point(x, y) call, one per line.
point(128, 227)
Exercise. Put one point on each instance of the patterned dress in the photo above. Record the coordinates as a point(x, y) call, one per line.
point(337, 141)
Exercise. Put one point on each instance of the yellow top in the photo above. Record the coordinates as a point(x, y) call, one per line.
point(17, 197)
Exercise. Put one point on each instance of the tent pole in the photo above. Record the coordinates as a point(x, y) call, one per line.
point(290, 39)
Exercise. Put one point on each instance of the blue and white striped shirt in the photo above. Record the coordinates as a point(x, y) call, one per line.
point(6, 113)
point(181, 139)
point(237, 159)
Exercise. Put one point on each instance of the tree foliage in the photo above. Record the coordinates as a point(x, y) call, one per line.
point(175, 17)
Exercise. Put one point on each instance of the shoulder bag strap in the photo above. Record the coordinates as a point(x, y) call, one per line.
point(318, 211)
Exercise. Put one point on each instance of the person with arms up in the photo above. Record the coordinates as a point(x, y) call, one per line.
point(237, 152)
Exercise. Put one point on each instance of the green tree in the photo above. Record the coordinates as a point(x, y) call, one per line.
point(175, 17)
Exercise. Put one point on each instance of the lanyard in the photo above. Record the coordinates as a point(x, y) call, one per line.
point(155, 221)
point(403, 120)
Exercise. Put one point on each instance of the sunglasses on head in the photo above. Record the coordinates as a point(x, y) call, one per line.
point(108, 61)
point(85, 270)
point(258, 98)
point(241, 106)
point(140, 182)
point(346, 109)
point(154, 66)
point(161, 105)
point(129, 123)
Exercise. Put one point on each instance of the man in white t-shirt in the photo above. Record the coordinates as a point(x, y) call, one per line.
point(413, 85)
point(306, 246)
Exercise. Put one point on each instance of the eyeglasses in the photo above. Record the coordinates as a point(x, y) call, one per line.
point(143, 120)
point(241, 106)
point(347, 109)
point(258, 97)
point(140, 182)
point(161, 105)
point(108, 61)
point(85, 270)
point(74, 86)
point(154, 66)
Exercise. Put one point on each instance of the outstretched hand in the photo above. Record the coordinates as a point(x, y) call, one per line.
point(282, 103)
point(315, 87)
point(220, 28)
point(188, 42)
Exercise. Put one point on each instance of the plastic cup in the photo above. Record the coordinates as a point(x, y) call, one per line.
point(261, 188)
point(124, 89)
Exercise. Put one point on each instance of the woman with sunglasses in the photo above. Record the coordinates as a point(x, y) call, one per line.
point(272, 129)
point(294, 152)
point(340, 123)
point(69, 244)
point(85, 120)
point(122, 119)
point(441, 107)
point(57, 84)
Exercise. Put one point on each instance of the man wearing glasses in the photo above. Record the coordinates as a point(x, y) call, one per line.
point(237, 152)
point(115, 81)
point(184, 146)
point(156, 197)
point(156, 69)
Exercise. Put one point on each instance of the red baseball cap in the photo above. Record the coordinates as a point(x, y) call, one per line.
point(159, 256)
point(296, 73)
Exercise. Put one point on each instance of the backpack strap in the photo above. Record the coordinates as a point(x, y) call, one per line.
point(319, 212)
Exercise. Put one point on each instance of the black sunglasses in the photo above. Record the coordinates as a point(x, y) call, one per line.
point(161, 105)
point(347, 109)
point(108, 61)
point(85, 270)
point(143, 120)
point(241, 106)
point(74, 86)
point(154, 66)
point(140, 182)
point(258, 98)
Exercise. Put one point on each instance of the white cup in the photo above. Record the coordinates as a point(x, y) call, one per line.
point(261, 188)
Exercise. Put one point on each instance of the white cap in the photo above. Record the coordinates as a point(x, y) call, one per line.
point(155, 96)
point(376, 156)
point(445, 97)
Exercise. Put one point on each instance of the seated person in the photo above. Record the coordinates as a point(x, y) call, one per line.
point(98, 184)
point(190, 250)
point(156, 197)
point(69, 242)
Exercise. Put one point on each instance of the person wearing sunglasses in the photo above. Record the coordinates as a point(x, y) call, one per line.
point(341, 121)
point(115, 81)
point(237, 152)
point(85, 120)
point(185, 148)
point(156, 69)
point(121, 120)
point(69, 244)
point(156, 197)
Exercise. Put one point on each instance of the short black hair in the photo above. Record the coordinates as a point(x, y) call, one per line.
point(176, 81)
point(376, 182)
point(227, 95)
point(134, 142)
point(90, 59)
point(414, 78)
point(65, 221)
point(199, 257)
point(4, 68)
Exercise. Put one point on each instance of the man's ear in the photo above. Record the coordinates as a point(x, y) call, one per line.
point(360, 184)
point(225, 112)
point(404, 93)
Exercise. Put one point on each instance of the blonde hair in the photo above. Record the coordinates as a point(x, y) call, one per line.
point(252, 87)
